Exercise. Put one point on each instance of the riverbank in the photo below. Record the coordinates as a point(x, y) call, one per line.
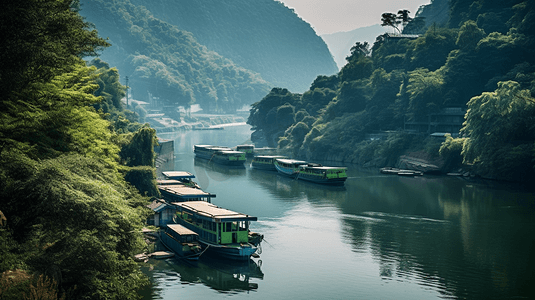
point(164, 124)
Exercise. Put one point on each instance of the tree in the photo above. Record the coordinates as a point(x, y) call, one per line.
point(359, 49)
point(425, 93)
point(500, 131)
point(41, 39)
point(390, 19)
point(403, 16)
point(469, 35)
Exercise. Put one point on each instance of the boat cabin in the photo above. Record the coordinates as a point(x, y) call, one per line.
point(327, 172)
point(181, 234)
point(163, 213)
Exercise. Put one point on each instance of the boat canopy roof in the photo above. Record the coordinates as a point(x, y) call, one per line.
point(320, 167)
point(204, 146)
point(178, 174)
point(184, 191)
point(213, 212)
point(231, 152)
point(181, 230)
point(268, 156)
point(291, 161)
point(212, 147)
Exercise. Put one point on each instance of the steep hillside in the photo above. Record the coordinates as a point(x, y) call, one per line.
point(472, 78)
point(262, 35)
point(340, 43)
point(168, 65)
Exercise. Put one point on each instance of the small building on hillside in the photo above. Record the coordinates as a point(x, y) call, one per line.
point(448, 120)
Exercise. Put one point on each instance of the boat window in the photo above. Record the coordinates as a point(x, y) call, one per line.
point(243, 226)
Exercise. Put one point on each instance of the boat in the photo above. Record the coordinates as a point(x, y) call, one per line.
point(221, 155)
point(401, 172)
point(222, 232)
point(322, 174)
point(176, 191)
point(182, 177)
point(182, 241)
point(247, 149)
point(265, 162)
point(288, 167)
point(207, 151)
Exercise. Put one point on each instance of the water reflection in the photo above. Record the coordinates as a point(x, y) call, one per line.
point(461, 239)
point(223, 277)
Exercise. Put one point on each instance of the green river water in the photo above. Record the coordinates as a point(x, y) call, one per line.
point(378, 237)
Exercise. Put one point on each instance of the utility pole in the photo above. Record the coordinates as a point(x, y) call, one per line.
point(127, 91)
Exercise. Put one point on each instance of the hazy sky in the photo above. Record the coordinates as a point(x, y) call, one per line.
point(328, 16)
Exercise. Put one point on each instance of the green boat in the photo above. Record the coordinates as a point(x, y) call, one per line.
point(321, 174)
point(265, 162)
point(220, 155)
point(222, 232)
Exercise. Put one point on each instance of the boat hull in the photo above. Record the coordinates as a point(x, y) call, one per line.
point(263, 166)
point(326, 181)
point(232, 252)
point(286, 171)
point(181, 250)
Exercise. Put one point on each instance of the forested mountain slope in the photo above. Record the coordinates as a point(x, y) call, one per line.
point(167, 63)
point(481, 62)
point(219, 54)
point(261, 35)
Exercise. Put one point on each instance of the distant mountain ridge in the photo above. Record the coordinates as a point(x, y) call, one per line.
point(340, 43)
point(262, 35)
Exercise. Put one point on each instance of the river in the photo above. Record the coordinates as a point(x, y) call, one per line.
point(378, 237)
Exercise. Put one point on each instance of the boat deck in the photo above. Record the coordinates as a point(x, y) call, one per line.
point(178, 175)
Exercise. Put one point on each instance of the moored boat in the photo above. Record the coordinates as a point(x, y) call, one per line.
point(288, 167)
point(221, 155)
point(207, 151)
point(182, 177)
point(322, 174)
point(182, 241)
point(265, 162)
point(222, 232)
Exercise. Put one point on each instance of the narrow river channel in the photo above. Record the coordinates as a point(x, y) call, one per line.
point(378, 237)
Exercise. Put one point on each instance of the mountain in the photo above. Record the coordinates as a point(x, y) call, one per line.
point(166, 65)
point(340, 43)
point(458, 95)
point(262, 36)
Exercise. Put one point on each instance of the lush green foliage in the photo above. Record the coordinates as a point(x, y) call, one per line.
point(67, 212)
point(501, 131)
point(407, 79)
